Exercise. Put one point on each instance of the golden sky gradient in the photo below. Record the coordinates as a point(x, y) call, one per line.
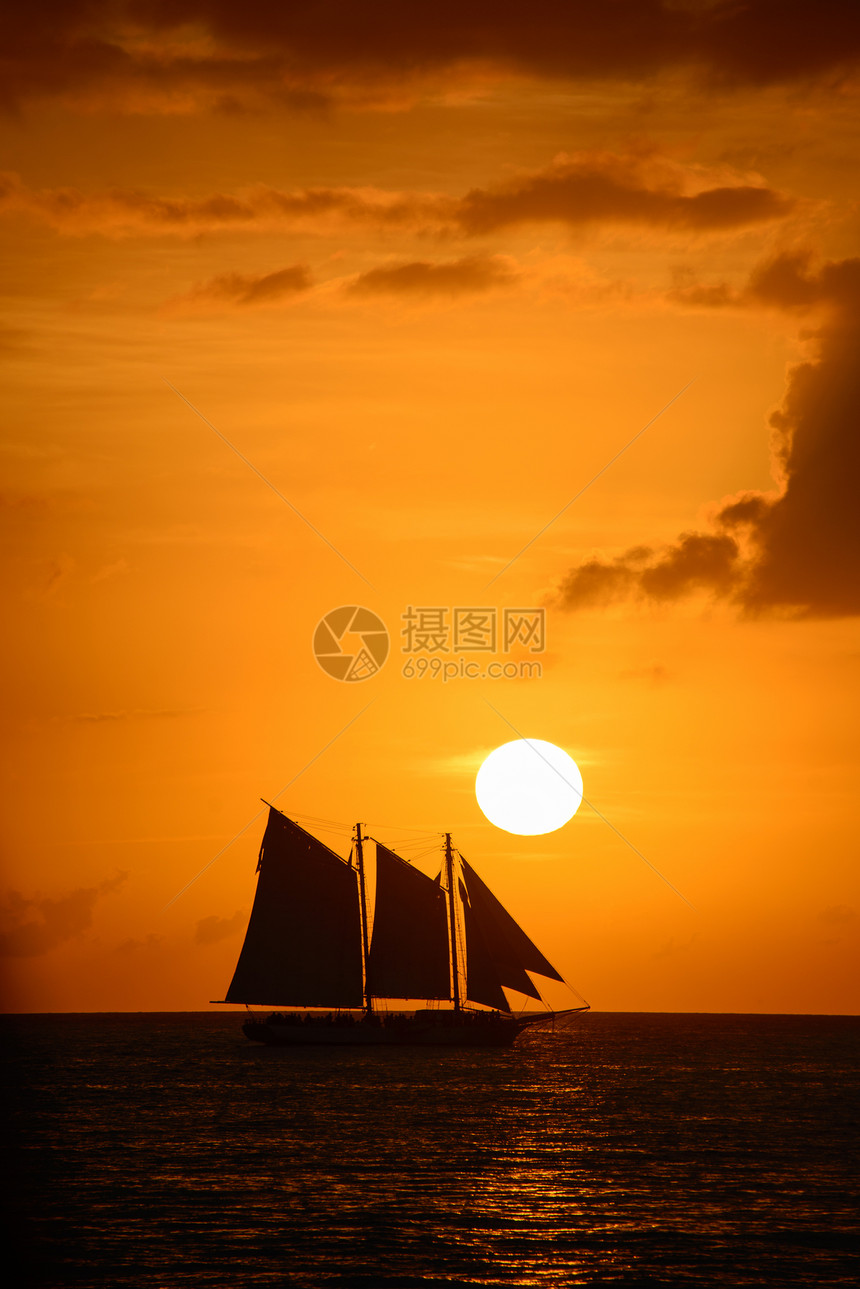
point(429, 268)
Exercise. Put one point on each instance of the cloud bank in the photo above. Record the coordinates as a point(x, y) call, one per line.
point(32, 927)
point(305, 55)
point(576, 191)
point(601, 187)
point(796, 549)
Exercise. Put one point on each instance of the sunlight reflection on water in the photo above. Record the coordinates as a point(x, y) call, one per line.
point(630, 1150)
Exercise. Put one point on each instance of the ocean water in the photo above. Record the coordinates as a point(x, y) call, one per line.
point(164, 1150)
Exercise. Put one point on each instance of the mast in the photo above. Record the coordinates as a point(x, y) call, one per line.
point(362, 903)
point(452, 921)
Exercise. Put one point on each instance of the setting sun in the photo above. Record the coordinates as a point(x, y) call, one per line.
point(529, 787)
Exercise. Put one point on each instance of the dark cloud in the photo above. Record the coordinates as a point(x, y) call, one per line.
point(132, 947)
point(305, 53)
point(587, 188)
point(601, 187)
point(796, 549)
point(790, 282)
point(212, 929)
point(249, 289)
point(419, 277)
point(698, 561)
point(121, 212)
point(38, 925)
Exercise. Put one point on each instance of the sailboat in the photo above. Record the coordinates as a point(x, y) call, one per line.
point(308, 948)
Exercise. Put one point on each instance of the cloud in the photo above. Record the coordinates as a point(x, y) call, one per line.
point(126, 212)
point(577, 191)
point(698, 561)
point(132, 946)
point(788, 282)
point(190, 55)
point(243, 289)
point(796, 549)
point(420, 277)
point(469, 275)
point(35, 926)
point(212, 929)
point(601, 187)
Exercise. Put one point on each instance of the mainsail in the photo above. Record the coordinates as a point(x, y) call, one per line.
point(303, 943)
point(409, 949)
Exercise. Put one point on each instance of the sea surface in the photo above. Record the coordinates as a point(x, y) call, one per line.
point(165, 1150)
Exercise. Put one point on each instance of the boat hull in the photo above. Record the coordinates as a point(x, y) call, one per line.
point(428, 1029)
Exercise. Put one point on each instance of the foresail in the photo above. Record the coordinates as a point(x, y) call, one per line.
point(303, 943)
point(482, 977)
point(409, 949)
point(498, 943)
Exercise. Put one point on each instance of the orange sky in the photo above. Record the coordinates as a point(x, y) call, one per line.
point(429, 268)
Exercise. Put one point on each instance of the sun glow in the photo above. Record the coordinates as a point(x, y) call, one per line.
point(529, 787)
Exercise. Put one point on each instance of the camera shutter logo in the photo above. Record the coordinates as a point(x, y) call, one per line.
point(351, 643)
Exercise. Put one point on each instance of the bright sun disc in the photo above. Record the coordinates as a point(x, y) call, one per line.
point(529, 787)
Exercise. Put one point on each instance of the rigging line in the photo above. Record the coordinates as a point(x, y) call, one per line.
point(268, 482)
point(427, 831)
point(385, 846)
point(409, 859)
point(330, 823)
point(326, 828)
point(321, 819)
point(591, 806)
point(260, 812)
point(592, 480)
point(425, 828)
point(409, 850)
point(422, 854)
point(411, 842)
point(329, 828)
point(573, 989)
point(329, 832)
